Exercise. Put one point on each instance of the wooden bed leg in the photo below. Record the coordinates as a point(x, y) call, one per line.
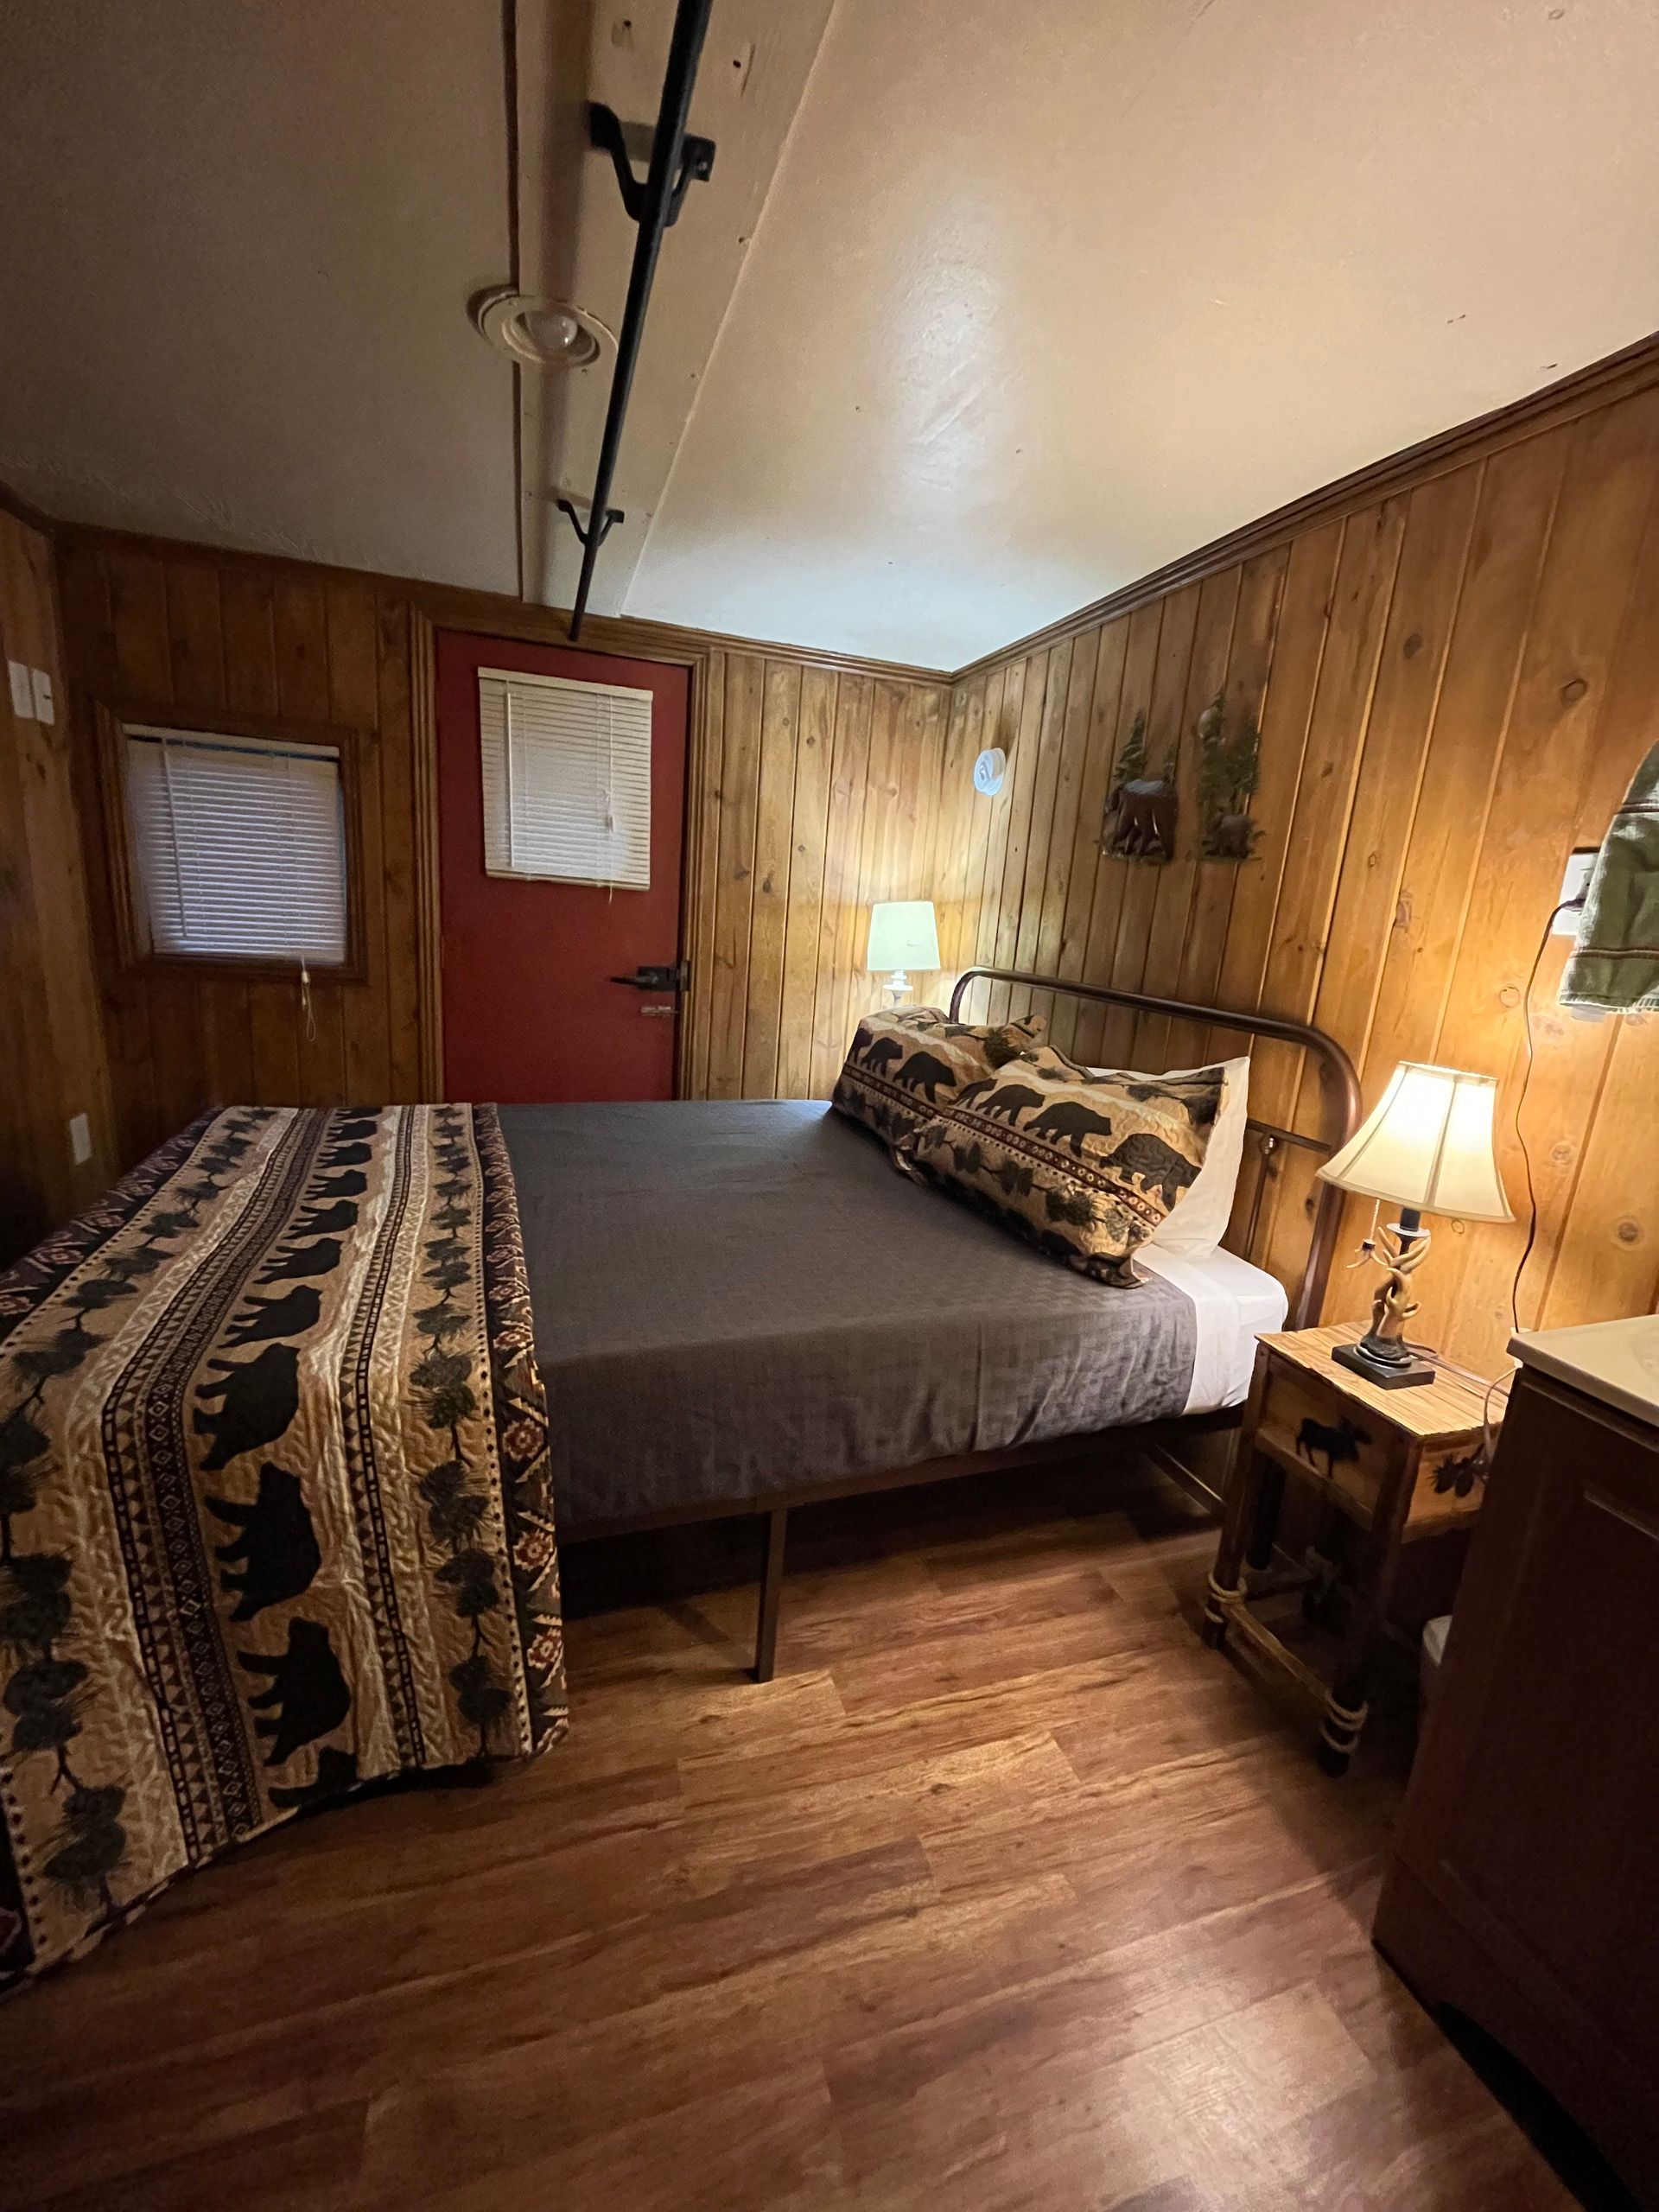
point(772, 1589)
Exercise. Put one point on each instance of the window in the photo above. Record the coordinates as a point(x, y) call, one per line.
point(238, 847)
point(567, 780)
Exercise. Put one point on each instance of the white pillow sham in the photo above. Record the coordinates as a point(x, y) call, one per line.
point(1197, 1222)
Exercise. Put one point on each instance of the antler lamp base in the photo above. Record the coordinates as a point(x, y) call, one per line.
point(1382, 1355)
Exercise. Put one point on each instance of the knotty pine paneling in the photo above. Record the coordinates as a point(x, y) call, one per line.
point(1454, 678)
point(819, 787)
point(825, 790)
point(180, 629)
point(1454, 684)
point(53, 1032)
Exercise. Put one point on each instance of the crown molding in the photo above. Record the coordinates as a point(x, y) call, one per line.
point(1618, 376)
point(14, 503)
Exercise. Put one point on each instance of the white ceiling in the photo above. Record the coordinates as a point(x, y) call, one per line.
point(988, 308)
point(236, 247)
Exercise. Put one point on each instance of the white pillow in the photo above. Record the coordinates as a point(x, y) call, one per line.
point(1198, 1221)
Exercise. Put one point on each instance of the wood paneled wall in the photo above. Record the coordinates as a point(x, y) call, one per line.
point(815, 789)
point(1454, 661)
point(182, 629)
point(53, 1031)
point(1454, 684)
point(824, 791)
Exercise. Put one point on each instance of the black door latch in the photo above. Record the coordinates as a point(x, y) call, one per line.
point(673, 978)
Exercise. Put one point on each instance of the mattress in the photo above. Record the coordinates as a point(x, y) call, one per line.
point(735, 1300)
point(1234, 1304)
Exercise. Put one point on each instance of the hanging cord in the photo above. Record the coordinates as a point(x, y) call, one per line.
point(1368, 1243)
point(1567, 905)
point(307, 1009)
point(610, 799)
point(173, 837)
point(1492, 1384)
point(507, 758)
point(1504, 1381)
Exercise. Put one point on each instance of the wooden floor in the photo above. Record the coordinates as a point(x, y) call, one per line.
point(1004, 1893)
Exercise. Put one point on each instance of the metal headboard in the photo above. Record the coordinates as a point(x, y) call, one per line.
point(1338, 1080)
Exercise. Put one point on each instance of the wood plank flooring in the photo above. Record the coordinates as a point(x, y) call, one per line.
point(1004, 1893)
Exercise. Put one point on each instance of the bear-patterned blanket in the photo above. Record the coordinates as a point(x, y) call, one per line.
point(275, 1509)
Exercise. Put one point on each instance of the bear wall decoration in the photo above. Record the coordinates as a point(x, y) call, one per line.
point(1139, 822)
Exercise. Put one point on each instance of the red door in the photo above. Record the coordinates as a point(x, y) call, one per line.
point(530, 1013)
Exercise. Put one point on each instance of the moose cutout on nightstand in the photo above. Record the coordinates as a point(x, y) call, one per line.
point(1339, 1441)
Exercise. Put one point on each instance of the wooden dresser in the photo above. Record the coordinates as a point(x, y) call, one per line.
point(1526, 1890)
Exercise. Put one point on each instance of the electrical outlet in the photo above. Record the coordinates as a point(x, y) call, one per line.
point(45, 711)
point(22, 691)
point(81, 1139)
point(1580, 865)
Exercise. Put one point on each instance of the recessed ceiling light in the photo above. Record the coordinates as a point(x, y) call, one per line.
point(548, 334)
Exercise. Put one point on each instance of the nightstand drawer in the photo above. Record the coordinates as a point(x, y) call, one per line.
point(1309, 1425)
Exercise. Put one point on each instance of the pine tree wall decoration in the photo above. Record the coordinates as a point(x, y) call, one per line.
point(1229, 768)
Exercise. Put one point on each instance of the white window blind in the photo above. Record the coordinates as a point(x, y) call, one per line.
point(567, 779)
point(239, 846)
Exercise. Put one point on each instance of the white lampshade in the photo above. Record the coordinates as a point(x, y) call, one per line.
point(1427, 1144)
point(903, 934)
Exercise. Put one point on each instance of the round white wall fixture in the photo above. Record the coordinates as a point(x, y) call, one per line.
point(547, 334)
point(989, 770)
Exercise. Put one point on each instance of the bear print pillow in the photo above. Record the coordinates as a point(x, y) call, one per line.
point(901, 1068)
point(1083, 1166)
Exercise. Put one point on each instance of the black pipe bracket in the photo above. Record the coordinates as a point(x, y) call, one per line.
point(607, 131)
point(595, 533)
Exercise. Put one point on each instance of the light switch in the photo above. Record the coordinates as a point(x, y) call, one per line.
point(22, 691)
point(81, 1139)
point(44, 710)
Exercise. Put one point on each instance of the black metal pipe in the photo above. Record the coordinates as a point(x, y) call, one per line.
point(684, 51)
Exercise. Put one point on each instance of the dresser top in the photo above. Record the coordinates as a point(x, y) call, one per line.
point(1615, 1361)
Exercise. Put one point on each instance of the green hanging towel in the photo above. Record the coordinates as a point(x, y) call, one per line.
point(1616, 964)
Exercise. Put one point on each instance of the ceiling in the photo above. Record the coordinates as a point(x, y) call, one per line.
point(985, 311)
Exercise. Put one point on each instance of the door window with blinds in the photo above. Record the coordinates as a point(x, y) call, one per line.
point(238, 847)
point(567, 780)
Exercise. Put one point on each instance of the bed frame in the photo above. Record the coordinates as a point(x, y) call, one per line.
point(1153, 1440)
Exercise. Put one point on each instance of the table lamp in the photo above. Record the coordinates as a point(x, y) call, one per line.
point(1426, 1148)
point(903, 934)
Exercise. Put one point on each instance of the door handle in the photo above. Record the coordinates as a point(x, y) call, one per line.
point(673, 977)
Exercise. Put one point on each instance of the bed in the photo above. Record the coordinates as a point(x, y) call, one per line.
point(283, 1419)
point(740, 1307)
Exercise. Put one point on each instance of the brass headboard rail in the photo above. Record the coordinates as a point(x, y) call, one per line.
point(1339, 1083)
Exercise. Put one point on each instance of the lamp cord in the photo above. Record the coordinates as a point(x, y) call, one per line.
point(1437, 1359)
point(1504, 1381)
point(1520, 1103)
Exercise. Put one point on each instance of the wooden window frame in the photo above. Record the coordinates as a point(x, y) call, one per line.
point(346, 741)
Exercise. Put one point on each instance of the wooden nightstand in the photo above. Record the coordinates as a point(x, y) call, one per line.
point(1402, 1464)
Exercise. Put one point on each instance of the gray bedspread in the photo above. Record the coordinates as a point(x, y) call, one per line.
point(734, 1299)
